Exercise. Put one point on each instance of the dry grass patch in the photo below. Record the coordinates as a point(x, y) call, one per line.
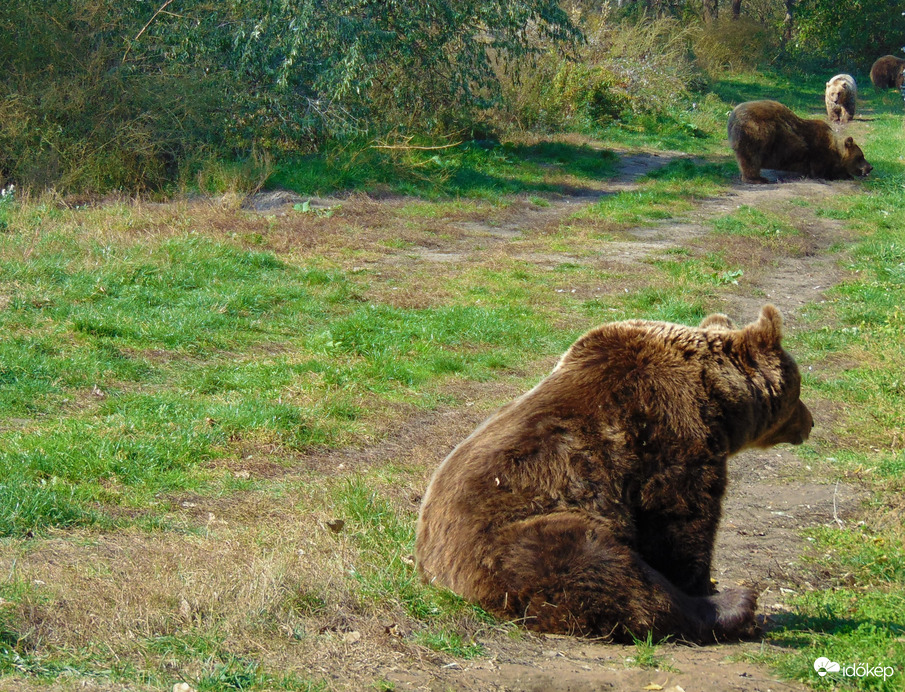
point(264, 577)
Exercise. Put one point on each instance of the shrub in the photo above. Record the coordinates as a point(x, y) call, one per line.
point(98, 94)
point(734, 45)
point(625, 69)
point(847, 35)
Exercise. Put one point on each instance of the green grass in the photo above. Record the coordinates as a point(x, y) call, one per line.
point(691, 272)
point(801, 93)
point(479, 170)
point(451, 643)
point(699, 128)
point(646, 654)
point(385, 572)
point(662, 194)
point(860, 620)
point(124, 367)
point(750, 222)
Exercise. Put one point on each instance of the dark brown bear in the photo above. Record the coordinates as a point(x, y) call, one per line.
point(766, 134)
point(888, 72)
point(590, 504)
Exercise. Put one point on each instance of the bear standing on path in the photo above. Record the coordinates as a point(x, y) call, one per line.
point(839, 96)
point(590, 504)
point(766, 134)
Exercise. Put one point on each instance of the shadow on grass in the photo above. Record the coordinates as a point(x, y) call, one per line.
point(474, 169)
point(721, 170)
point(798, 97)
point(797, 631)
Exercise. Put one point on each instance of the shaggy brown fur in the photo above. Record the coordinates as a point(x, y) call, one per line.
point(590, 504)
point(766, 134)
point(839, 97)
point(888, 72)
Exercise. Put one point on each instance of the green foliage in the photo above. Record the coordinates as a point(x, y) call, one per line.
point(103, 95)
point(850, 35)
point(625, 70)
point(581, 93)
point(731, 45)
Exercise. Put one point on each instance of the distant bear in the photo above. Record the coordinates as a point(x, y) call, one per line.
point(766, 134)
point(888, 72)
point(589, 505)
point(840, 95)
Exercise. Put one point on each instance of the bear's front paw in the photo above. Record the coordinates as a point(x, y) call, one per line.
point(735, 614)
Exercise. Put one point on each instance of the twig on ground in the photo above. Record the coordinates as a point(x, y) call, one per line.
point(835, 515)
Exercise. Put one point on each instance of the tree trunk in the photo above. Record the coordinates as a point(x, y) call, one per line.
point(711, 11)
point(736, 8)
point(787, 22)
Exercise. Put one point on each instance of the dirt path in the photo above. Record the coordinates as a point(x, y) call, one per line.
point(772, 495)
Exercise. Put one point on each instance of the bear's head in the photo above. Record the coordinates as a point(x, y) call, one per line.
point(853, 159)
point(788, 419)
point(837, 92)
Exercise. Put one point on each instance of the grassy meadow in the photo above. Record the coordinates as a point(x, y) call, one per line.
point(189, 390)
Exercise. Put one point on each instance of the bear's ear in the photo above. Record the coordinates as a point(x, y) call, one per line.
point(767, 331)
point(849, 142)
point(718, 320)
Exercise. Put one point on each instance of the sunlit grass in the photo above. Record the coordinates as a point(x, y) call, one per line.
point(856, 342)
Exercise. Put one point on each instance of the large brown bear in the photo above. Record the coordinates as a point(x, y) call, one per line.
point(839, 96)
point(888, 72)
point(590, 504)
point(766, 134)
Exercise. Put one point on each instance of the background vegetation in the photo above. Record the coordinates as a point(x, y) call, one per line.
point(98, 96)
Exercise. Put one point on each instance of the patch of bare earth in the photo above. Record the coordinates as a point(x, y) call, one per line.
point(269, 576)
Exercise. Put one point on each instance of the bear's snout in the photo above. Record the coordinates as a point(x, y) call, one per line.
point(794, 430)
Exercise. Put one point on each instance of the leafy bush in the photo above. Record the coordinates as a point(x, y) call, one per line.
point(626, 68)
point(734, 45)
point(98, 94)
point(847, 35)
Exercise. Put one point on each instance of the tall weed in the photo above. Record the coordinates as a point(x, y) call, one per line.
point(733, 45)
point(624, 70)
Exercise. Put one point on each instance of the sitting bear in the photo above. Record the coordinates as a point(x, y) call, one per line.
point(590, 504)
point(841, 92)
point(766, 134)
point(888, 72)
